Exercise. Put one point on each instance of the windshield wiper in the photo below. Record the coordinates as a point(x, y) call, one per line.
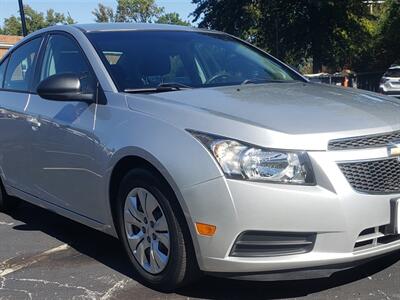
point(253, 80)
point(261, 80)
point(162, 87)
point(173, 85)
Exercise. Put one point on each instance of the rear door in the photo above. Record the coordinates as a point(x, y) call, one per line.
point(16, 126)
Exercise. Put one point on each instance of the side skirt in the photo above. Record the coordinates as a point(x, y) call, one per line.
point(108, 229)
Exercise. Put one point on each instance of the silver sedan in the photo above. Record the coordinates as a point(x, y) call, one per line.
point(200, 152)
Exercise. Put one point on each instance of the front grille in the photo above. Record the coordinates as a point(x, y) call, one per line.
point(376, 177)
point(375, 236)
point(266, 244)
point(363, 142)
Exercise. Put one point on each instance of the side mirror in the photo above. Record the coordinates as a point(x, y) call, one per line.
point(63, 87)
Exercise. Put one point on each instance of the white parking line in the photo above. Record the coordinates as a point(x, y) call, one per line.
point(33, 260)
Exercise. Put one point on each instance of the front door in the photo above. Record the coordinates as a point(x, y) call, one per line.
point(63, 147)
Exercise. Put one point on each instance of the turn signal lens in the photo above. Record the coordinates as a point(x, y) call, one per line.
point(205, 229)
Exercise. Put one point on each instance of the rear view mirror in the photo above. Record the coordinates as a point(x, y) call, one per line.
point(63, 87)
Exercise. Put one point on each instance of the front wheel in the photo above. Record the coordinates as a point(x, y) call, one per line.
point(153, 232)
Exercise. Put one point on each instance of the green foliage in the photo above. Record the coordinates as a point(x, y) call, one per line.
point(388, 35)
point(143, 11)
point(237, 17)
point(34, 21)
point(172, 18)
point(104, 14)
point(331, 33)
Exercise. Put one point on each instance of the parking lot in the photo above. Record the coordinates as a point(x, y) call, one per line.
point(45, 256)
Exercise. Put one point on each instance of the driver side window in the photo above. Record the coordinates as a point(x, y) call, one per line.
point(63, 55)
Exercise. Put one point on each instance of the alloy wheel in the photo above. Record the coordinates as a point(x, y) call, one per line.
point(147, 230)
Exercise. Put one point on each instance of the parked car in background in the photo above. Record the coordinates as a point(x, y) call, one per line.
point(200, 152)
point(390, 82)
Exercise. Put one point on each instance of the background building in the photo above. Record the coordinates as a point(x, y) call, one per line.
point(6, 42)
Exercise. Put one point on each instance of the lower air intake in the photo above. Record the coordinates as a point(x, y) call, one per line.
point(373, 237)
point(266, 244)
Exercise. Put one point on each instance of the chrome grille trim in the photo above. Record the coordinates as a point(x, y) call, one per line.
point(379, 176)
point(374, 237)
point(364, 142)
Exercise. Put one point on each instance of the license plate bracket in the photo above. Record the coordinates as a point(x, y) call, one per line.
point(395, 215)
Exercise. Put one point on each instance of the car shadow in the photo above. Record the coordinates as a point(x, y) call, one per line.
point(108, 251)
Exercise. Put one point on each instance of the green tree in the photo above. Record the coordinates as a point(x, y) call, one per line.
point(387, 45)
point(143, 11)
point(34, 21)
point(172, 18)
point(330, 33)
point(237, 17)
point(53, 18)
point(104, 14)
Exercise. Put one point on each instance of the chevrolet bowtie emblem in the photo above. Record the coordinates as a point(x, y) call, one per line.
point(394, 150)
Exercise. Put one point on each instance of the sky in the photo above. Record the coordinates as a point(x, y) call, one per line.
point(81, 10)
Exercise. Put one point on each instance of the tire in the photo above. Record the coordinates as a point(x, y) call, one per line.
point(160, 267)
point(7, 203)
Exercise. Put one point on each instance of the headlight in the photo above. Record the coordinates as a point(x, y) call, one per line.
point(239, 160)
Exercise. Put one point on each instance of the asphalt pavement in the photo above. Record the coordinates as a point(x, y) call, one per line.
point(46, 256)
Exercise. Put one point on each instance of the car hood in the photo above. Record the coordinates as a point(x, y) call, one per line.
point(295, 108)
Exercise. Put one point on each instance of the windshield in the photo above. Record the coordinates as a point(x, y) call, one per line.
point(143, 60)
point(393, 73)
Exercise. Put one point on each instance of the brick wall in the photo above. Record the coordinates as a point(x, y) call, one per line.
point(6, 41)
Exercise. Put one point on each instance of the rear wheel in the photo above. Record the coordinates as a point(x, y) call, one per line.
point(7, 202)
point(153, 232)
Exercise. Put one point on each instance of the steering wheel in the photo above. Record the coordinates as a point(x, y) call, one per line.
point(218, 76)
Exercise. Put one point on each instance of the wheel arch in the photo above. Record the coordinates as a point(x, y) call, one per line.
point(129, 159)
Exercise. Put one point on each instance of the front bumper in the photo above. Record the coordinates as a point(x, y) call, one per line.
point(331, 209)
point(306, 273)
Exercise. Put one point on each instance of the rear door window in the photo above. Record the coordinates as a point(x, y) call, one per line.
point(393, 73)
point(20, 69)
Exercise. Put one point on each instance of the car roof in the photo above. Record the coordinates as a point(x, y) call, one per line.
point(114, 27)
point(132, 26)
